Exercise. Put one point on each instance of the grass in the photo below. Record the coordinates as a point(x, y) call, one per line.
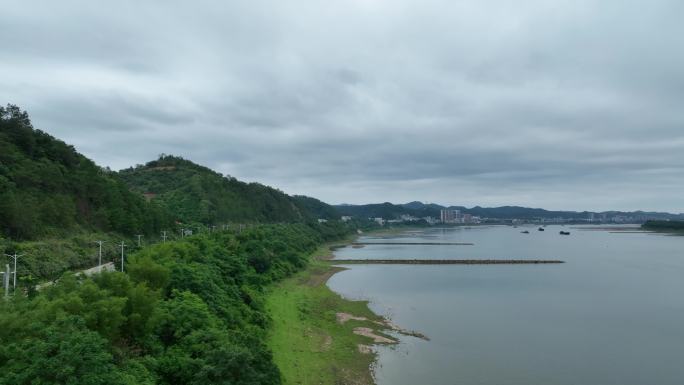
point(309, 345)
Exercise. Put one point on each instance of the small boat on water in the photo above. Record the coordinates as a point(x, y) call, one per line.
point(564, 232)
point(541, 229)
point(525, 232)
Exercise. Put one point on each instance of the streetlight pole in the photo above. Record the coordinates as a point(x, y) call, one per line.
point(99, 263)
point(5, 279)
point(14, 279)
point(122, 255)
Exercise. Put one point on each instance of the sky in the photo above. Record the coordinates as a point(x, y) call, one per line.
point(566, 104)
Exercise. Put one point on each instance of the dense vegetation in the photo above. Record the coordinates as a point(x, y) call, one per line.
point(200, 195)
point(46, 187)
point(664, 225)
point(186, 312)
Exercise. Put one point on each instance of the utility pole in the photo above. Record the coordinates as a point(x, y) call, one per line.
point(139, 236)
point(15, 256)
point(100, 255)
point(122, 255)
point(6, 280)
point(164, 236)
point(182, 231)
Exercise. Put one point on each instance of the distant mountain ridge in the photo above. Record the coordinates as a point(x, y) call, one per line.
point(418, 209)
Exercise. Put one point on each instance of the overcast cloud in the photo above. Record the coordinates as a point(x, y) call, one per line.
point(556, 104)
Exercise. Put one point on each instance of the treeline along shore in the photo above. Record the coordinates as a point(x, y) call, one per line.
point(664, 226)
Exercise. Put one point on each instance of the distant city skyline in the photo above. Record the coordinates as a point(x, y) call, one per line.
point(458, 212)
point(567, 105)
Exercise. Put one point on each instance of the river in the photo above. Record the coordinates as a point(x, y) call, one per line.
point(612, 314)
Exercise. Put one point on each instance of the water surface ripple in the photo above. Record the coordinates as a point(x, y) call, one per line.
point(612, 314)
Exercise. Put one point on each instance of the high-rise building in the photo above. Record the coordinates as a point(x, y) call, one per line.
point(450, 216)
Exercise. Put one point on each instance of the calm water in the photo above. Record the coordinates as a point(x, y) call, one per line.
point(613, 314)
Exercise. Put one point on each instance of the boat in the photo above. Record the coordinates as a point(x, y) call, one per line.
point(541, 229)
point(525, 232)
point(564, 232)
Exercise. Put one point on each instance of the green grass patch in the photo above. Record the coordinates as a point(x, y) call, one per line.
point(309, 345)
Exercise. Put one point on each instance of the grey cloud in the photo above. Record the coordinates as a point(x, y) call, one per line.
point(564, 104)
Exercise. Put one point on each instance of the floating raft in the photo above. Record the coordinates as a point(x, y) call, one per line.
point(414, 243)
point(443, 261)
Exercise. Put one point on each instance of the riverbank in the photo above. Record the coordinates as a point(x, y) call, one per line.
point(318, 337)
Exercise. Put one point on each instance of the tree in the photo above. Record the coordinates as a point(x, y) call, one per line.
point(67, 353)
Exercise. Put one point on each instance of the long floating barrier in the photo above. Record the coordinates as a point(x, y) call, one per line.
point(443, 261)
point(414, 243)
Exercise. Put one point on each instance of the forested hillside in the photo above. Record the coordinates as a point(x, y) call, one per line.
point(186, 312)
point(385, 210)
point(47, 188)
point(199, 194)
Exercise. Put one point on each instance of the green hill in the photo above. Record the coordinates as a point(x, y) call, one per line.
point(198, 194)
point(47, 188)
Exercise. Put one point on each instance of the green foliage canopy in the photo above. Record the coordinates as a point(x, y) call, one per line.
point(46, 187)
point(187, 312)
point(197, 194)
